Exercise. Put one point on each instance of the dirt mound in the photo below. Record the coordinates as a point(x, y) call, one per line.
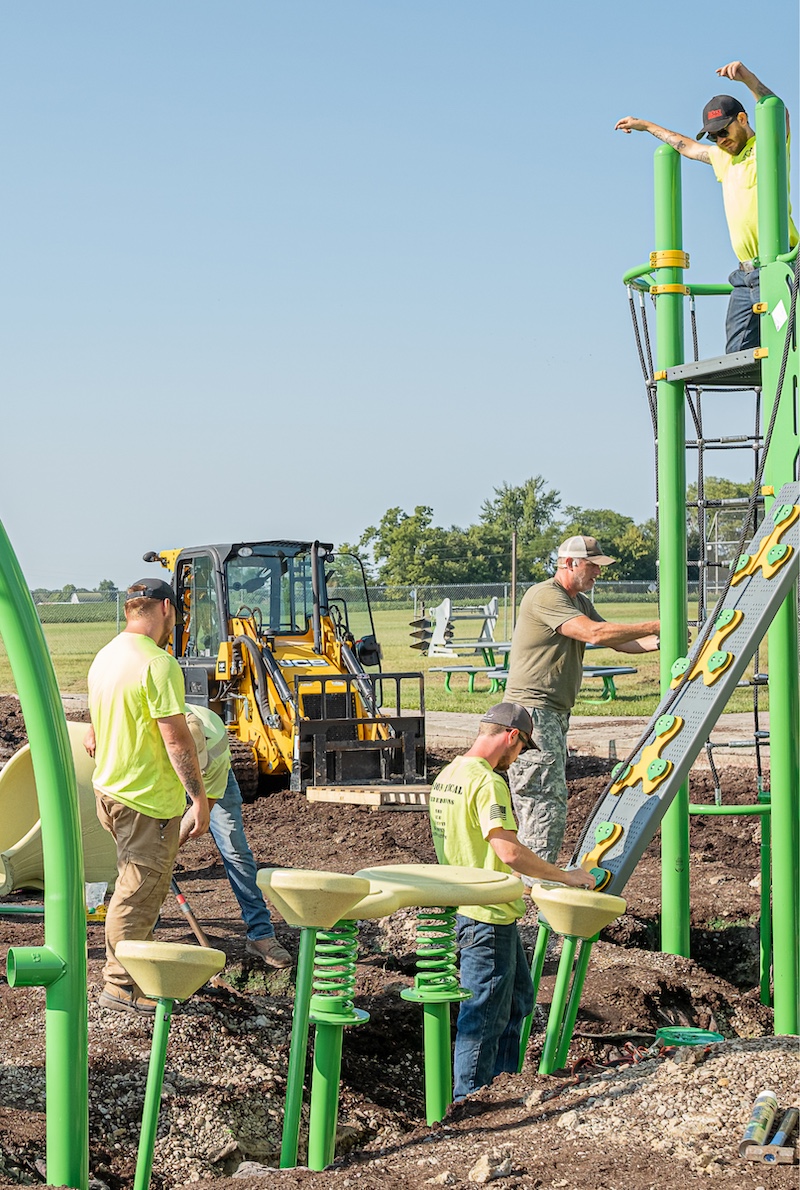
point(616, 1117)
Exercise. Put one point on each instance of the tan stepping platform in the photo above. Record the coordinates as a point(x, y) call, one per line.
point(304, 897)
point(576, 912)
point(169, 970)
point(21, 858)
point(421, 886)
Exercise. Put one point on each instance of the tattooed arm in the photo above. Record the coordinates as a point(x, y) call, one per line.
point(687, 146)
point(182, 755)
point(738, 72)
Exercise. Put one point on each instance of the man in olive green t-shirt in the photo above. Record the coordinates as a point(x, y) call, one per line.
point(555, 623)
point(144, 760)
point(473, 826)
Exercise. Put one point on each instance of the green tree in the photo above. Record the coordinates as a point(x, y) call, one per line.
point(107, 589)
point(530, 510)
point(67, 592)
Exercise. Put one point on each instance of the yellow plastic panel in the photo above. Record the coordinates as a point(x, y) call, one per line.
point(169, 970)
point(305, 897)
point(21, 862)
point(576, 912)
point(431, 885)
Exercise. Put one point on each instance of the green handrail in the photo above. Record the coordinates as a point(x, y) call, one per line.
point(66, 1016)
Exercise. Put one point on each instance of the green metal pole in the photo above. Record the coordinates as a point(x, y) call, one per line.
point(784, 683)
point(298, 1050)
point(673, 587)
point(438, 1063)
point(556, 1016)
point(152, 1094)
point(66, 1016)
point(537, 966)
point(324, 1095)
point(571, 1015)
point(765, 922)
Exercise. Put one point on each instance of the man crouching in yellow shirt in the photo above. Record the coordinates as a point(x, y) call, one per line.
point(472, 824)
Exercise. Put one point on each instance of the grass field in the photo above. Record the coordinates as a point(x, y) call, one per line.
point(73, 646)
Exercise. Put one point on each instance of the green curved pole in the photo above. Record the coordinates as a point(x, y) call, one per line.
point(672, 577)
point(66, 1017)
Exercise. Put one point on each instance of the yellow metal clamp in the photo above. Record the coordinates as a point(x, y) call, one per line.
point(656, 289)
point(761, 353)
point(659, 375)
point(760, 308)
point(671, 258)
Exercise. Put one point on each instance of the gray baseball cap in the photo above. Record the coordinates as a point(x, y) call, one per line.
point(512, 714)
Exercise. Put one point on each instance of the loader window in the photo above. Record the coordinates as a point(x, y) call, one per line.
point(275, 584)
point(201, 634)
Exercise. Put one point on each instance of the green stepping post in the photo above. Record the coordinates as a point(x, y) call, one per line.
point(165, 972)
point(579, 915)
point(436, 987)
point(314, 901)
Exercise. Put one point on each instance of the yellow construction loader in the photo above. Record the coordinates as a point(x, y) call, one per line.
point(277, 637)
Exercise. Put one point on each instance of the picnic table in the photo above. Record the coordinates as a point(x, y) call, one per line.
point(498, 675)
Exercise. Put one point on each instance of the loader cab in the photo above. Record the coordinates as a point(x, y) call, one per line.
point(276, 585)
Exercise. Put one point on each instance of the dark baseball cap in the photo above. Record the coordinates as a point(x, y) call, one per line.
point(718, 113)
point(148, 588)
point(511, 714)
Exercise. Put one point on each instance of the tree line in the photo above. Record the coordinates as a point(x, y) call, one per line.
point(409, 549)
point(106, 589)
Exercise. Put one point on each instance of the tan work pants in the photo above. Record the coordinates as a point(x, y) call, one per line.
point(146, 850)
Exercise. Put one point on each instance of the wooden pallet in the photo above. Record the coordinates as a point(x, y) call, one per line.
point(377, 797)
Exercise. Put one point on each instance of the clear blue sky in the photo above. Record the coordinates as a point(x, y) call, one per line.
point(270, 268)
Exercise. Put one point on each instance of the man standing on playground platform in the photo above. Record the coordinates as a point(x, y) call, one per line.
point(146, 758)
point(473, 826)
point(556, 621)
point(732, 155)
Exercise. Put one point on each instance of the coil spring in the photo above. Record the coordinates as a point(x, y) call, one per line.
point(436, 951)
point(335, 953)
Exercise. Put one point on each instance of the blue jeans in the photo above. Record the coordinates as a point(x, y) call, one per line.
point(227, 831)
point(495, 970)
point(741, 324)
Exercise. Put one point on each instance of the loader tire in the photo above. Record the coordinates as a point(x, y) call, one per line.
point(245, 767)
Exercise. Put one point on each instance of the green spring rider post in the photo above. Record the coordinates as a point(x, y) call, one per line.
point(331, 1010)
point(436, 987)
point(290, 1137)
point(59, 965)
point(537, 966)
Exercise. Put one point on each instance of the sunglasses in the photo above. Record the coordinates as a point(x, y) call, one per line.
point(722, 134)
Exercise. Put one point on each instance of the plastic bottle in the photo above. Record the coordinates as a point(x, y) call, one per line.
point(760, 1121)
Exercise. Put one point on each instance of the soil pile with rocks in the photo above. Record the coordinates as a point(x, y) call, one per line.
point(619, 1116)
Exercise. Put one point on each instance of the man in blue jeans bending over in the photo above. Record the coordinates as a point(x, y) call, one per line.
point(227, 830)
point(473, 825)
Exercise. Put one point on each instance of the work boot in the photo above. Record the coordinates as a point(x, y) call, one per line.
point(125, 999)
point(270, 951)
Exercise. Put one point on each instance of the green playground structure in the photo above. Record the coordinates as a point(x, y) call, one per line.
point(650, 785)
point(60, 965)
point(773, 367)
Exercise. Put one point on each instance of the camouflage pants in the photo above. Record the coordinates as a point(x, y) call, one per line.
point(538, 783)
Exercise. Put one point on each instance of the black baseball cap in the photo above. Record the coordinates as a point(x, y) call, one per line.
point(148, 588)
point(718, 113)
point(511, 714)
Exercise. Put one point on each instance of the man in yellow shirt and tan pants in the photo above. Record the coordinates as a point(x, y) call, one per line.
point(145, 759)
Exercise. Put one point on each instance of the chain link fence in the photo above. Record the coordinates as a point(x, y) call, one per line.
point(76, 631)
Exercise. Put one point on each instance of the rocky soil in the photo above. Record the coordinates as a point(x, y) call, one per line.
point(618, 1116)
